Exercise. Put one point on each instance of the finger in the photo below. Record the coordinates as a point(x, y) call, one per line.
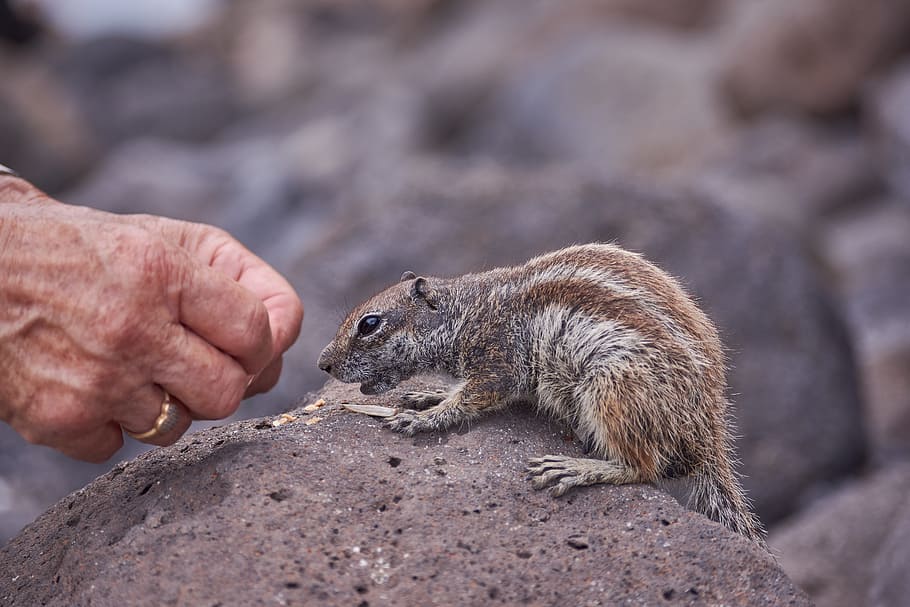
point(208, 382)
point(95, 446)
point(226, 315)
point(284, 307)
point(157, 419)
point(266, 380)
point(219, 250)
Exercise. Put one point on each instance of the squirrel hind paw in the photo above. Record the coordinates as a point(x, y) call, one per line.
point(560, 474)
point(403, 422)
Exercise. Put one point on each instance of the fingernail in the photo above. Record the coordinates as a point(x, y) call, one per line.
point(251, 380)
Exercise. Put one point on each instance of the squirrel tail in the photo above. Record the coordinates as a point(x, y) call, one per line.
point(718, 495)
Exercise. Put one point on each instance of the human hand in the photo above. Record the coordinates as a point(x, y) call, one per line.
point(100, 313)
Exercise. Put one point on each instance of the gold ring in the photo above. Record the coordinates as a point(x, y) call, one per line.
point(166, 421)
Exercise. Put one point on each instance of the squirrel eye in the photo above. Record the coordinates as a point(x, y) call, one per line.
point(368, 324)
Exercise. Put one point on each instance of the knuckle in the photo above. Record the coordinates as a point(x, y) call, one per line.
point(47, 425)
point(145, 254)
point(103, 451)
point(144, 269)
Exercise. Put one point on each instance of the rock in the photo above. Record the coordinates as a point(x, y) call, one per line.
point(685, 15)
point(34, 478)
point(246, 186)
point(888, 110)
point(869, 254)
point(891, 586)
point(343, 512)
point(812, 56)
point(268, 49)
point(620, 100)
point(791, 172)
point(42, 132)
point(838, 550)
point(131, 88)
point(792, 374)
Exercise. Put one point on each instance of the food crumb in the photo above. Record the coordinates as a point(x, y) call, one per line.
point(284, 418)
point(313, 407)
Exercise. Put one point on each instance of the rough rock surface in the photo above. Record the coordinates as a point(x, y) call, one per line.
point(755, 282)
point(343, 512)
point(847, 545)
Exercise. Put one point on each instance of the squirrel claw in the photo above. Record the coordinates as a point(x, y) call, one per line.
point(404, 422)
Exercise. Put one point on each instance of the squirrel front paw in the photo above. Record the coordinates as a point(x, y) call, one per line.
point(421, 400)
point(408, 422)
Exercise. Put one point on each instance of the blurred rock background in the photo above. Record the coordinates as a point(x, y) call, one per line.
point(760, 151)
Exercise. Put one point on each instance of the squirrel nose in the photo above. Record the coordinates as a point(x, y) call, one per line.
point(324, 363)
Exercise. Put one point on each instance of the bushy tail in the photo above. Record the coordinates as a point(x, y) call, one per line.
point(718, 495)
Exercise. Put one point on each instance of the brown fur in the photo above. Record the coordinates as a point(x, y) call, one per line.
point(593, 334)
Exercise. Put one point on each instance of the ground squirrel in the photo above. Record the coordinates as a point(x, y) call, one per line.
point(593, 334)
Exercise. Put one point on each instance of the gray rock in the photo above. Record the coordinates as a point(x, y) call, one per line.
point(791, 172)
point(840, 548)
point(33, 478)
point(615, 99)
point(243, 186)
point(334, 509)
point(891, 586)
point(888, 111)
point(810, 56)
point(868, 251)
point(43, 136)
point(132, 88)
point(791, 374)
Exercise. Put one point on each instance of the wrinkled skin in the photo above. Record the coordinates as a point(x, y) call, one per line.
point(100, 313)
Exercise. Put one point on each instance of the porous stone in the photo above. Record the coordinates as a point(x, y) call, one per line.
point(343, 512)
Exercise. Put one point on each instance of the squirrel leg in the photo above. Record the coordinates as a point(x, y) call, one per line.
point(563, 473)
point(459, 406)
point(421, 400)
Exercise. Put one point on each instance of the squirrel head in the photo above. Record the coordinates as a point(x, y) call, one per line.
point(383, 341)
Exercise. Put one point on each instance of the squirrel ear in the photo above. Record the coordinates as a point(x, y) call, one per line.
point(422, 291)
point(408, 276)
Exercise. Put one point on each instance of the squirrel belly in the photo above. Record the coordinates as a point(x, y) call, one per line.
point(592, 334)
